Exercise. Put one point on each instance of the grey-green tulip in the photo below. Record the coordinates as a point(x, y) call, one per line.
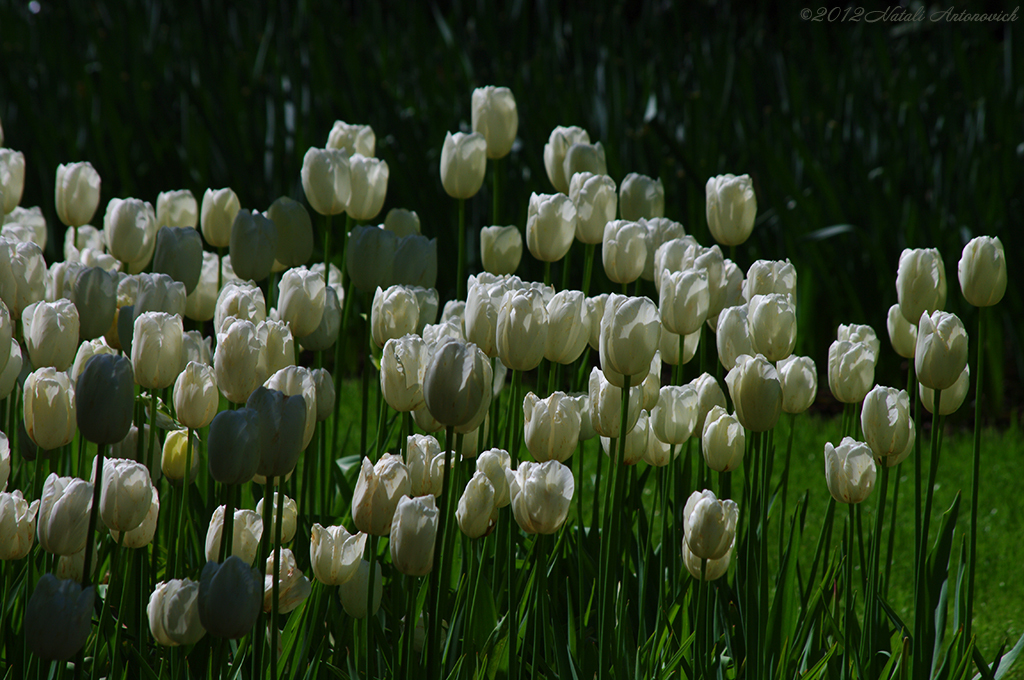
point(233, 447)
point(105, 396)
point(230, 598)
point(179, 254)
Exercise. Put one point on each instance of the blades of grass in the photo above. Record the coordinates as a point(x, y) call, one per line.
point(938, 580)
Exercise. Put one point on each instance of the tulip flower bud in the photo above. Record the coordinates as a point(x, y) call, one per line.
point(684, 301)
point(130, 229)
point(641, 197)
point(196, 398)
point(230, 597)
point(17, 522)
point(173, 613)
point(674, 419)
point(51, 333)
point(849, 470)
point(413, 533)
point(481, 313)
point(353, 138)
point(220, 206)
point(126, 495)
point(733, 335)
point(476, 505)
point(60, 281)
point(457, 383)
point(583, 158)
point(58, 618)
point(369, 257)
point(402, 222)
point(242, 301)
point(335, 554)
point(712, 569)
point(495, 116)
point(159, 293)
point(550, 226)
point(770, 276)
point(394, 314)
point(630, 335)
point(799, 378)
point(239, 362)
point(771, 324)
point(415, 261)
point(282, 423)
point(521, 332)
point(851, 370)
point(624, 250)
point(290, 516)
point(142, 535)
point(709, 395)
point(569, 327)
point(234, 445)
point(22, 275)
point(731, 208)
point(26, 225)
point(552, 426)
point(94, 295)
point(559, 141)
point(463, 164)
point(606, 405)
point(175, 456)
point(636, 442)
point(177, 209)
point(501, 249)
point(77, 192)
point(12, 179)
point(860, 333)
point(494, 463)
point(105, 399)
point(301, 298)
point(49, 404)
point(723, 440)
point(902, 333)
point(658, 231)
point(64, 514)
point(156, 349)
point(9, 375)
point(952, 397)
point(179, 254)
point(294, 232)
point(253, 245)
point(293, 587)
point(920, 283)
point(378, 490)
point(403, 367)
point(194, 347)
point(326, 334)
point(369, 177)
point(886, 422)
point(941, 352)
point(709, 525)
point(541, 494)
point(324, 393)
point(245, 535)
point(88, 238)
point(596, 201)
point(277, 344)
point(982, 271)
point(326, 180)
point(352, 593)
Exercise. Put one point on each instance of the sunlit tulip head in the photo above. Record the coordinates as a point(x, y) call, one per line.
point(659, 230)
point(902, 333)
point(463, 164)
point(12, 178)
point(770, 276)
point(851, 370)
point(849, 470)
point(326, 180)
point(521, 332)
point(771, 324)
point(580, 158)
point(941, 352)
point(394, 313)
point(173, 613)
point(476, 505)
point(88, 237)
point(378, 489)
point(403, 367)
point(130, 229)
point(756, 392)
point(540, 495)
point(58, 618)
point(126, 493)
point(709, 525)
point(624, 250)
point(177, 209)
point(552, 426)
point(569, 326)
point(596, 199)
point(495, 116)
point(326, 334)
point(920, 282)
point(559, 141)
point(550, 226)
point(245, 536)
point(49, 408)
point(77, 192)
point(239, 362)
point(289, 516)
point(240, 300)
point(301, 299)
point(196, 396)
point(22, 275)
point(605, 404)
point(674, 418)
point(501, 249)
point(353, 138)
point(855, 332)
point(641, 196)
point(684, 300)
point(982, 271)
point(230, 597)
point(731, 208)
point(885, 421)
point(483, 300)
point(709, 395)
point(156, 349)
point(217, 214)
point(17, 524)
point(11, 371)
point(723, 440)
point(630, 335)
point(369, 178)
point(799, 378)
point(335, 554)
point(413, 532)
point(51, 330)
point(637, 443)
point(63, 519)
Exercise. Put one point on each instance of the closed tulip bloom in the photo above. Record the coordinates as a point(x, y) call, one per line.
point(369, 177)
point(253, 245)
point(435, 334)
point(624, 250)
point(580, 158)
point(326, 334)
point(651, 386)
point(26, 224)
point(51, 333)
point(130, 229)
point(142, 535)
point(353, 138)
point(941, 352)
point(522, 329)
point(674, 255)
point(457, 384)
point(659, 230)
point(126, 495)
point(902, 333)
point(463, 164)
point(885, 421)
point(568, 327)
point(709, 395)
point(557, 147)
point(378, 490)
point(413, 532)
point(851, 370)
point(403, 367)
point(58, 618)
point(641, 196)
point(196, 398)
point(415, 261)
point(636, 442)
point(402, 222)
point(713, 569)
point(481, 313)
point(245, 535)
point(9, 375)
point(552, 426)
point(335, 554)
point(495, 116)
point(709, 525)
point(849, 470)
point(771, 322)
point(5, 461)
point(731, 208)
point(541, 494)
point(156, 349)
point(730, 290)
point(424, 459)
point(64, 511)
point(476, 506)
point(370, 256)
point(550, 226)
point(230, 598)
point(982, 271)
point(920, 282)
point(217, 214)
point(298, 381)
point(17, 524)
point(77, 192)
point(596, 201)
point(756, 392)
point(22, 275)
point(290, 517)
point(293, 587)
point(49, 406)
point(630, 335)
point(394, 313)
point(352, 593)
point(723, 440)
point(675, 416)
point(105, 399)
point(94, 294)
point(234, 445)
point(799, 378)
point(952, 397)
point(711, 259)
point(242, 301)
point(159, 293)
point(282, 423)
point(860, 333)
point(606, 405)
point(12, 179)
point(60, 280)
point(733, 335)
point(770, 276)
point(177, 209)
point(239, 362)
point(684, 301)
point(174, 457)
point(179, 254)
point(88, 238)
point(173, 613)
point(6, 337)
point(326, 180)
point(277, 343)
point(301, 298)
point(494, 463)
point(501, 249)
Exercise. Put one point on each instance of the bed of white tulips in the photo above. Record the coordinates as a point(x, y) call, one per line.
point(537, 481)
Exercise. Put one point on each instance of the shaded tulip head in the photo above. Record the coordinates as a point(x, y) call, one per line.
point(353, 593)
point(723, 440)
point(105, 399)
point(941, 351)
point(799, 378)
point(709, 395)
point(457, 383)
point(233, 449)
point(580, 158)
point(501, 249)
point(173, 613)
point(982, 271)
point(550, 226)
point(637, 442)
point(217, 215)
point(732, 336)
point(413, 532)
point(495, 116)
point(12, 178)
point(326, 334)
point(22, 275)
point(709, 525)
point(402, 222)
point(902, 333)
point(559, 141)
point(253, 245)
point(230, 598)
point(463, 164)
point(952, 397)
point(174, 463)
point(731, 208)
point(605, 405)
point(282, 423)
point(849, 470)
point(641, 196)
point(370, 256)
point(756, 392)
point(94, 294)
point(920, 282)
point(58, 618)
point(77, 192)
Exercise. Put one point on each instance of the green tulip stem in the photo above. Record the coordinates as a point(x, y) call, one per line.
point(228, 528)
point(588, 266)
point(495, 194)
point(514, 409)
point(349, 224)
point(220, 268)
point(365, 414)
point(152, 427)
point(578, 453)
point(371, 577)
point(460, 287)
point(438, 590)
point(276, 591)
point(870, 602)
point(975, 478)
point(93, 514)
point(266, 547)
point(184, 503)
point(933, 469)
point(892, 535)
point(785, 473)
point(409, 630)
point(922, 607)
point(547, 273)
point(848, 654)
point(327, 249)
point(566, 267)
